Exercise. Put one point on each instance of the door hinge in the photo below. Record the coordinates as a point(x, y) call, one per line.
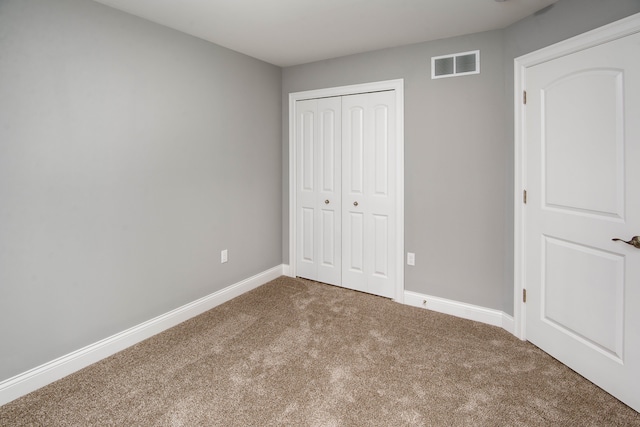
point(524, 295)
point(524, 97)
point(524, 196)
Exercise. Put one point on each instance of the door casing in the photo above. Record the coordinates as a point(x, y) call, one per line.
point(398, 87)
point(613, 31)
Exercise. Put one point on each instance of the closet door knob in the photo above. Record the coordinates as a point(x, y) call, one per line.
point(326, 202)
point(355, 203)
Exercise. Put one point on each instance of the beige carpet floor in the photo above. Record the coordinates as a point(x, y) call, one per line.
point(299, 353)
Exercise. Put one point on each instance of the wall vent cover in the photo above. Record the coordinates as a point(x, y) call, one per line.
point(456, 64)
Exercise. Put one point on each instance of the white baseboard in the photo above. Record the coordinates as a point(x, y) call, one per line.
point(460, 309)
point(286, 270)
point(508, 323)
point(49, 372)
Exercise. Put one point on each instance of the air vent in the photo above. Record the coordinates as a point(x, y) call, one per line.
point(457, 64)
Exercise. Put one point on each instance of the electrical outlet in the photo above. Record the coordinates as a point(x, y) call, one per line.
point(224, 256)
point(411, 258)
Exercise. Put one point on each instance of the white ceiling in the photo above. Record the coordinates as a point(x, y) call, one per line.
point(291, 32)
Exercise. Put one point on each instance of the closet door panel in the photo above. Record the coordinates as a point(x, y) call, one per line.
point(318, 201)
point(306, 136)
point(368, 147)
point(329, 199)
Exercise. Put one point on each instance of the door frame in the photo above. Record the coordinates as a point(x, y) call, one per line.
point(398, 87)
point(607, 33)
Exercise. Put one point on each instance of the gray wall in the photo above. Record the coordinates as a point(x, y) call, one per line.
point(130, 155)
point(458, 147)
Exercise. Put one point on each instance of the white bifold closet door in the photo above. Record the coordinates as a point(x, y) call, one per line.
point(318, 195)
point(368, 183)
point(345, 209)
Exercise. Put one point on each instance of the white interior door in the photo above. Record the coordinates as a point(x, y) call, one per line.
point(368, 220)
point(318, 210)
point(582, 148)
